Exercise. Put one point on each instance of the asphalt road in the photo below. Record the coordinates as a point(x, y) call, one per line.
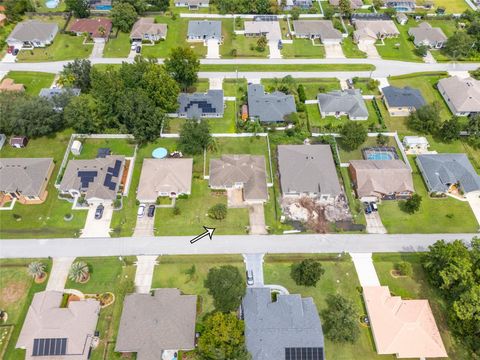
point(228, 244)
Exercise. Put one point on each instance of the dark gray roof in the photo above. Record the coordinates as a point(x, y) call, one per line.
point(32, 30)
point(50, 93)
point(307, 168)
point(348, 101)
point(442, 170)
point(269, 107)
point(205, 28)
point(406, 97)
point(322, 28)
point(270, 327)
point(25, 175)
point(196, 104)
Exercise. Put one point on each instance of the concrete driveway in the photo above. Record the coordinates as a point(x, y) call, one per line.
point(144, 273)
point(274, 51)
point(213, 49)
point(97, 51)
point(369, 48)
point(215, 83)
point(257, 220)
point(98, 228)
point(365, 270)
point(59, 273)
point(334, 51)
point(145, 225)
point(254, 263)
point(374, 223)
point(474, 202)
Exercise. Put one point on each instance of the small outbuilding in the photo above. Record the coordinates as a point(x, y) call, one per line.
point(18, 141)
point(76, 148)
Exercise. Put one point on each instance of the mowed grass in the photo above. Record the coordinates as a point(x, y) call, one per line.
point(311, 86)
point(452, 6)
point(339, 278)
point(417, 287)
point(238, 46)
point(436, 215)
point(33, 81)
point(303, 48)
point(399, 48)
point(351, 50)
point(234, 87)
point(118, 47)
point(90, 147)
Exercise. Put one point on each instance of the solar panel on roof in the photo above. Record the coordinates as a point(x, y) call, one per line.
point(103, 152)
point(109, 183)
point(86, 177)
point(116, 170)
point(305, 353)
point(49, 347)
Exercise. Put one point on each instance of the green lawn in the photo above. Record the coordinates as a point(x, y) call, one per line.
point(312, 86)
point(452, 6)
point(117, 147)
point(287, 67)
point(33, 81)
point(417, 287)
point(393, 123)
point(40, 6)
point(47, 219)
point(339, 278)
point(118, 47)
point(351, 50)
point(445, 215)
point(346, 156)
point(4, 32)
point(456, 146)
point(361, 84)
point(234, 87)
point(404, 50)
point(302, 48)
point(243, 46)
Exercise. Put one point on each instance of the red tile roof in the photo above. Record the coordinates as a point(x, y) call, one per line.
point(92, 26)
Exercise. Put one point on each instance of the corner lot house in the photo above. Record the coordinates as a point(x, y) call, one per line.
point(373, 30)
point(343, 103)
point(146, 29)
point(308, 170)
point(462, 95)
point(152, 324)
point(427, 35)
point(269, 108)
point(204, 30)
point(9, 85)
point(449, 173)
point(382, 179)
point(242, 172)
point(52, 332)
point(192, 4)
point(164, 177)
point(288, 328)
point(25, 179)
point(317, 29)
point(405, 328)
point(402, 101)
point(98, 29)
point(401, 5)
point(354, 4)
point(201, 105)
point(99, 180)
point(31, 34)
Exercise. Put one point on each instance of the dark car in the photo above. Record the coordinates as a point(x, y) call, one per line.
point(15, 52)
point(280, 45)
point(368, 208)
point(249, 277)
point(99, 212)
point(138, 49)
point(151, 211)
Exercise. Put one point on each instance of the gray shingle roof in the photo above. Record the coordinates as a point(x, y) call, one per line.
point(463, 94)
point(307, 169)
point(343, 101)
point(269, 107)
point(322, 28)
point(26, 175)
point(51, 92)
point(197, 104)
point(205, 29)
point(33, 30)
point(442, 170)
point(151, 324)
point(426, 34)
point(270, 327)
point(406, 97)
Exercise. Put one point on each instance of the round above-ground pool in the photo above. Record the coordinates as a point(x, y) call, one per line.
point(52, 4)
point(159, 153)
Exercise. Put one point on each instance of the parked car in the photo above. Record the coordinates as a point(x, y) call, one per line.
point(138, 49)
point(280, 45)
point(374, 206)
point(141, 210)
point(134, 46)
point(15, 52)
point(151, 211)
point(249, 277)
point(99, 212)
point(368, 208)
point(10, 49)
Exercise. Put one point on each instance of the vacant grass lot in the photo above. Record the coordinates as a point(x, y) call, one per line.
point(64, 47)
point(399, 48)
point(303, 48)
point(339, 278)
point(33, 81)
point(118, 47)
point(417, 287)
point(452, 6)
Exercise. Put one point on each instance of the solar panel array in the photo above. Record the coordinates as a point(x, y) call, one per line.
point(103, 152)
point(204, 105)
point(305, 353)
point(49, 347)
point(112, 172)
point(86, 177)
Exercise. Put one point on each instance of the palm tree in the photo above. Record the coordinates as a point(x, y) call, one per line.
point(79, 272)
point(36, 269)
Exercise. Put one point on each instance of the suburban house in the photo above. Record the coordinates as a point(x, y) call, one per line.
point(381, 179)
point(192, 4)
point(373, 30)
point(269, 108)
point(201, 105)
point(203, 30)
point(258, 28)
point(164, 177)
point(354, 4)
point(151, 324)
point(287, 328)
point(308, 170)
point(343, 103)
point(415, 144)
point(425, 34)
point(448, 174)
point(462, 95)
point(402, 101)
point(401, 5)
point(25, 179)
point(146, 29)
point(52, 93)
point(55, 332)
point(9, 85)
point(32, 33)
point(402, 18)
point(98, 29)
point(405, 328)
point(317, 29)
point(290, 4)
point(99, 179)
point(243, 172)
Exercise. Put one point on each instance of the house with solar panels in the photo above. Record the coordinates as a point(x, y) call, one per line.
point(201, 105)
point(53, 332)
point(98, 180)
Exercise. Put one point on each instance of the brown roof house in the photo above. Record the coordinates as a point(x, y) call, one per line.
point(164, 177)
point(98, 29)
point(383, 179)
point(52, 332)
point(152, 324)
point(462, 95)
point(317, 29)
point(9, 85)
point(146, 29)
point(405, 328)
point(243, 172)
point(373, 30)
point(25, 179)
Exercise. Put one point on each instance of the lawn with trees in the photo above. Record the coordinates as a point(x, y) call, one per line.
point(33, 81)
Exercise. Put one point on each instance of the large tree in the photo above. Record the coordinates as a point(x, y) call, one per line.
point(139, 5)
point(183, 65)
point(426, 119)
point(194, 137)
point(123, 16)
point(15, 9)
point(353, 134)
point(340, 319)
point(81, 115)
point(450, 130)
point(345, 7)
point(459, 45)
point(307, 272)
point(80, 8)
point(226, 286)
point(161, 5)
point(77, 74)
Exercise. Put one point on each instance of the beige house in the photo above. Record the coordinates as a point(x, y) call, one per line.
point(146, 29)
point(354, 4)
point(25, 179)
point(462, 95)
point(164, 177)
point(373, 30)
point(405, 328)
point(9, 85)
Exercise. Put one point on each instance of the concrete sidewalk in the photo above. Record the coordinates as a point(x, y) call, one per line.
point(144, 274)
point(59, 273)
point(365, 270)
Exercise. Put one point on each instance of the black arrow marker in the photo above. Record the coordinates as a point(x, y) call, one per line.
point(208, 232)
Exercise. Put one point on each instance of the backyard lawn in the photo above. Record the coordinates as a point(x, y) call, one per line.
point(452, 6)
point(303, 48)
point(312, 86)
point(33, 81)
point(346, 156)
point(90, 147)
point(118, 47)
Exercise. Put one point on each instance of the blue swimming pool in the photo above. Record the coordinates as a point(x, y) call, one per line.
point(103, 7)
point(52, 4)
point(380, 156)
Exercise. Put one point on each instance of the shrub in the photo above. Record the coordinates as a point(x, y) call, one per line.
point(176, 210)
point(218, 212)
point(404, 268)
point(307, 272)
